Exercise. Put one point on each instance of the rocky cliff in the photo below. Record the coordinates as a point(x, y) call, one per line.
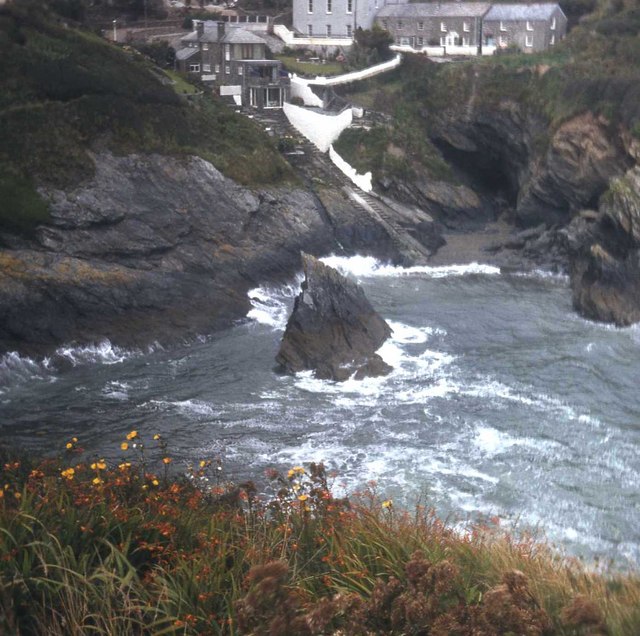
point(157, 248)
point(333, 330)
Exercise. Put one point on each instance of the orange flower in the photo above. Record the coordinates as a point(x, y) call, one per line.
point(132, 435)
point(68, 473)
point(166, 460)
point(124, 446)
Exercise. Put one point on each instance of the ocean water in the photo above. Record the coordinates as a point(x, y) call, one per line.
point(502, 402)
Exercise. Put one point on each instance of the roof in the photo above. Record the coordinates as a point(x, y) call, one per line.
point(434, 10)
point(232, 35)
point(236, 35)
point(185, 54)
point(540, 11)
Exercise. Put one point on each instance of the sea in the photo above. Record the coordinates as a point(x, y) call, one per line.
point(503, 403)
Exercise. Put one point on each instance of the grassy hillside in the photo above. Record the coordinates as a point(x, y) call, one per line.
point(90, 546)
point(596, 68)
point(65, 91)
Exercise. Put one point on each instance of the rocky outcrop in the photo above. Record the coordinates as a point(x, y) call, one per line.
point(333, 330)
point(605, 248)
point(156, 248)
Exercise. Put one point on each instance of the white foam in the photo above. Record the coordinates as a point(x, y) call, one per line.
point(272, 305)
point(117, 391)
point(16, 369)
point(103, 353)
point(194, 407)
point(367, 266)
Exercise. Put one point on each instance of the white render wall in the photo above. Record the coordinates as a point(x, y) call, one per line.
point(319, 128)
point(363, 181)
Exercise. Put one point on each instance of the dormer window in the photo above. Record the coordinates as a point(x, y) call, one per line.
point(465, 27)
point(399, 24)
point(329, 6)
point(310, 6)
point(553, 24)
point(349, 6)
point(421, 26)
point(443, 27)
point(502, 26)
point(529, 26)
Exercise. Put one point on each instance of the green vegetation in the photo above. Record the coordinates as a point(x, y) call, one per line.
point(596, 69)
point(88, 546)
point(66, 92)
point(304, 68)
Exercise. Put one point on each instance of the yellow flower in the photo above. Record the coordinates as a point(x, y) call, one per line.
point(102, 465)
point(17, 495)
point(74, 440)
point(303, 497)
point(124, 446)
point(69, 445)
point(1, 494)
point(155, 482)
point(97, 481)
point(68, 473)
point(157, 437)
point(132, 435)
point(203, 463)
point(387, 504)
point(166, 460)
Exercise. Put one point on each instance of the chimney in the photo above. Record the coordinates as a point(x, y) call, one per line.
point(220, 30)
point(198, 27)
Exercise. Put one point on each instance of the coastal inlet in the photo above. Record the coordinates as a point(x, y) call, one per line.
point(502, 402)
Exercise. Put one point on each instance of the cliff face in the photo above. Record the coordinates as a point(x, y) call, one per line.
point(156, 248)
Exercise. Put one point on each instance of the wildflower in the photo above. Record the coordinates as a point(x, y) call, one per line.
point(124, 465)
point(132, 435)
point(74, 440)
point(296, 470)
point(97, 481)
point(303, 497)
point(68, 473)
point(155, 482)
point(157, 436)
point(1, 494)
point(166, 460)
point(124, 446)
point(17, 495)
point(204, 464)
point(387, 504)
point(69, 446)
point(99, 465)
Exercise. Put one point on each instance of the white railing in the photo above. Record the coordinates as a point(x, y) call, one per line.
point(442, 51)
point(291, 39)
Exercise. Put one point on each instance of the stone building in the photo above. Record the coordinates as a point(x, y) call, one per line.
point(235, 60)
point(435, 23)
point(334, 18)
point(530, 27)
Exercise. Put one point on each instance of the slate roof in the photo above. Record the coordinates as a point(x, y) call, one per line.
point(416, 10)
point(506, 12)
point(185, 54)
point(232, 35)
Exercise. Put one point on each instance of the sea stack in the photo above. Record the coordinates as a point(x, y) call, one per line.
point(333, 329)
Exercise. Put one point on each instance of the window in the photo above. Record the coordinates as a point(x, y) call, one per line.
point(552, 40)
point(465, 27)
point(419, 41)
point(309, 29)
point(349, 31)
point(240, 69)
point(328, 30)
point(349, 6)
point(205, 46)
point(529, 26)
point(528, 40)
point(206, 68)
point(421, 26)
point(227, 52)
point(310, 6)
point(227, 69)
point(376, 3)
point(217, 68)
point(247, 51)
point(502, 41)
point(553, 24)
point(194, 68)
point(399, 24)
point(502, 26)
point(384, 24)
point(443, 27)
point(465, 41)
point(329, 6)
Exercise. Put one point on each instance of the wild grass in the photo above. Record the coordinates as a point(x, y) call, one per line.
point(135, 548)
point(310, 69)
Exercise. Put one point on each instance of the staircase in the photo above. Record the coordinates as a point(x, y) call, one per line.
point(312, 165)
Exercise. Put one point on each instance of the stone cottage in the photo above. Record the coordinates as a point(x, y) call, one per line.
point(434, 23)
point(235, 60)
point(530, 27)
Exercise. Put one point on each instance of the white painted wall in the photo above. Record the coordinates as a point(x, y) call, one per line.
point(300, 88)
point(363, 181)
point(441, 51)
point(321, 129)
point(290, 39)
